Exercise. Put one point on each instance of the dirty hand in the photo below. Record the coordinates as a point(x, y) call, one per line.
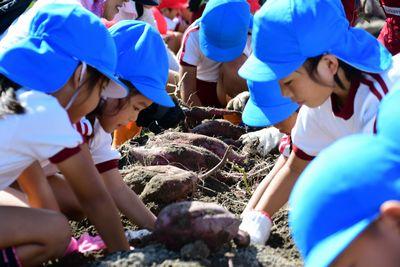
point(263, 140)
point(238, 102)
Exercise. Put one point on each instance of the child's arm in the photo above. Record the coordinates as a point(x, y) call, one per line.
point(127, 201)
point(96, 202)
point(188, 90)
point(261, 188)
point(278, 191)
point(35, 185)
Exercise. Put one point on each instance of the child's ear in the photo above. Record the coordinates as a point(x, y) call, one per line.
point(390, 213)
point(77, 76)
point(331, 63)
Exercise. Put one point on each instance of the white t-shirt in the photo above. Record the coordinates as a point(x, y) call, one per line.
point(104, 156)
point(43, 132)
point(317, 128)
point(190, 53)
point(172, 24)
point(20, 27)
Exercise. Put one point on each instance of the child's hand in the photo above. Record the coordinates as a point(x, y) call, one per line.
point(263, 140)
point(238, 102)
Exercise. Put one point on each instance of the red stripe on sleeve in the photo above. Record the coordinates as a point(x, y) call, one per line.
point(107, 165)
point(64, 154)
point(184, 40)
point(301, 154)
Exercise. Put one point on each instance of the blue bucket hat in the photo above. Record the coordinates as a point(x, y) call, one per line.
point(224, 27)
point(388, 120)
point(60, 37)
point(142, 59)
point(288, 32)
point(266, 105)
point(339, 195)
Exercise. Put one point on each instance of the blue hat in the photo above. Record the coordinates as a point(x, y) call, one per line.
point(266, 105)
point(60, 37)
point(339, 195)
point(288, 32)
point(142, 59)
point(224, 27)
point(388, 120)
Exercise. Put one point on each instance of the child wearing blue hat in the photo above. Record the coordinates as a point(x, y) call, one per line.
point(345, 211)
point(338, 73)
point(213, 49)
point(44, 88)
point(266, 106)
point(136, 41)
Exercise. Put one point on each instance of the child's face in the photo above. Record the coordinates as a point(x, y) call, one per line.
point(87, 100)
point(112, 118)
point(301, 88)
point(111, 8)
point(379, 245)
point(287, 125)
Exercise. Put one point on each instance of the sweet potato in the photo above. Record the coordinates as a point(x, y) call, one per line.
point(185, 222)
point(213, 144)
point(196, 115)
point(183, 156)
point(219, 128)
point(166, 184)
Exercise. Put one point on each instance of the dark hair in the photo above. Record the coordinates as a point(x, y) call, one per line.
point(350, 72)
point(9, 103)
point(99, 110)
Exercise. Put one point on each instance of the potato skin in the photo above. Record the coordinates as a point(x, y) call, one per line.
point(188, 221)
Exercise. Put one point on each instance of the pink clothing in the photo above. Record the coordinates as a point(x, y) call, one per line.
point(94, 6)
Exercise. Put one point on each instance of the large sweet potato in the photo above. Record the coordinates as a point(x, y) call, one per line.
point(219, 128)
point(183, 156)
point(185, 222)
point(213, 144)
point(165, 183)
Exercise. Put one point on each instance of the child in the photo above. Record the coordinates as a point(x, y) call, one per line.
point(37, 111)
point(388, 117)
point(266, 107)
point(176, 25)
point(339, 76)
point(220, 35)
point(135, 42)
point(345, 210)
point(171, 10)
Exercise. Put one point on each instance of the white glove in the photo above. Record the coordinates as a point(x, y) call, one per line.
point(238, 102)
point(267, 140)
point(257, 225)
point(138, 234)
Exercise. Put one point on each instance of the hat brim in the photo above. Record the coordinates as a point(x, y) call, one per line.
point(256, 70)
point(155, 94)
point(220, 54)
point(30, 62)
point(331, 247)
point(258, 116)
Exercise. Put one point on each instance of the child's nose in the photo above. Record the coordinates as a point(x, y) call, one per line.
point(286, 92)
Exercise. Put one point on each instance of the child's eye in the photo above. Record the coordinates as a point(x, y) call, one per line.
point(287, 83)
point(136, 108)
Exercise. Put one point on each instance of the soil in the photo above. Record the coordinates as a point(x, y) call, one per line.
point(279, 250)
